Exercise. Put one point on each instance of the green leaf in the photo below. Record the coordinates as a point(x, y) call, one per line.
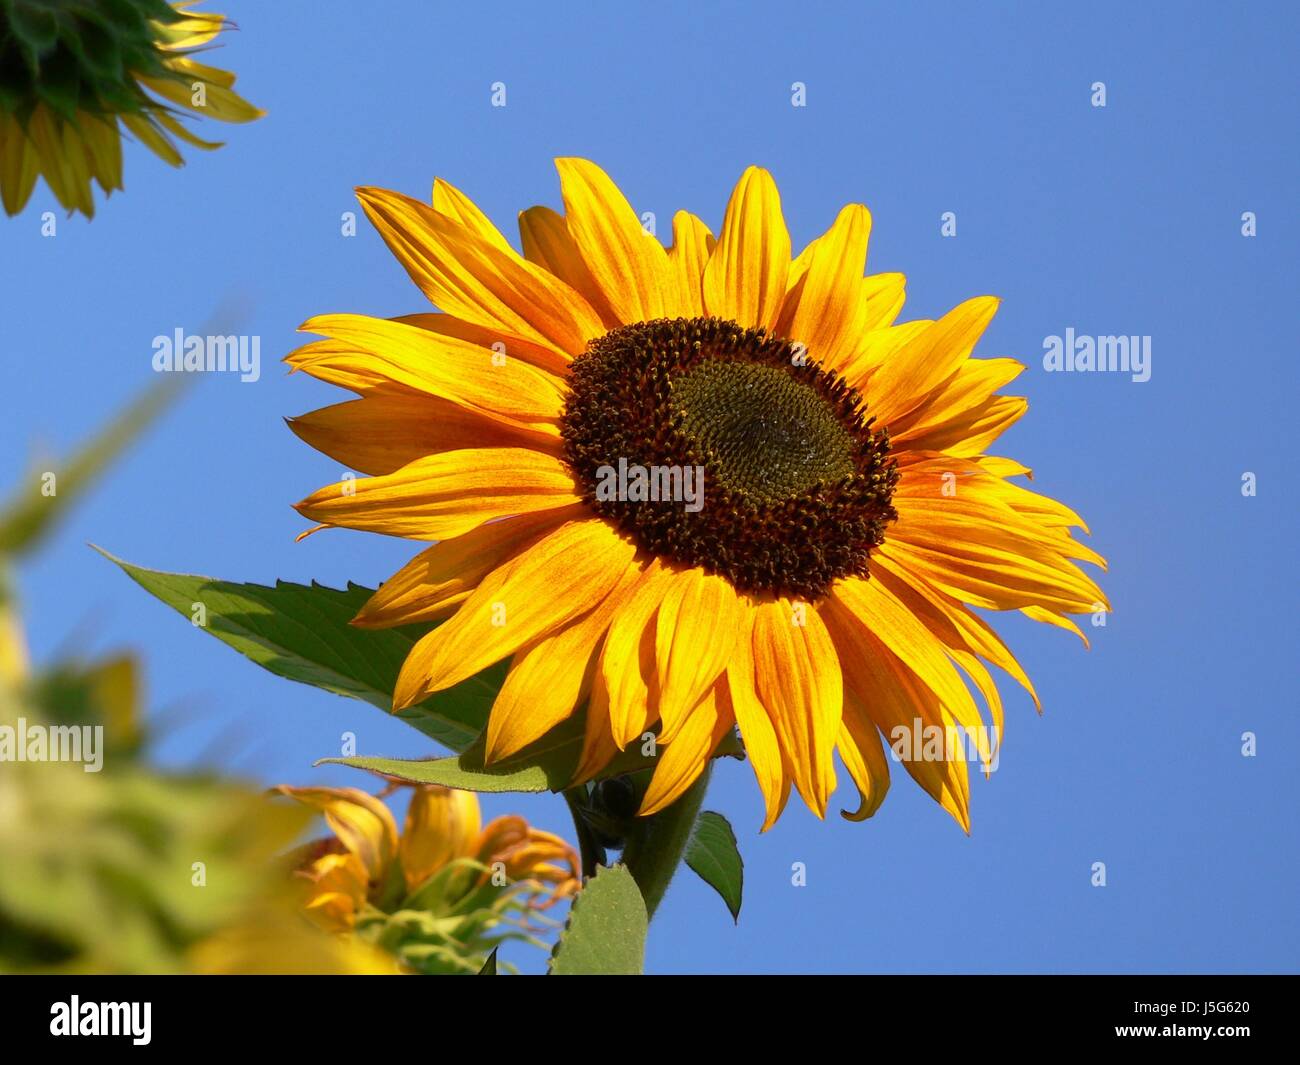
point(548, 764)
point(714, 857)
point(490, 966)
point(302, 632)
point(31, 513)
point(606, 930)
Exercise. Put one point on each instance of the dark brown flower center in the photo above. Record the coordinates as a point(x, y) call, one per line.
point(725, 448)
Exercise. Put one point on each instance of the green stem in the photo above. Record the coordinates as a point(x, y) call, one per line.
point(656, 844)
point(589, 848)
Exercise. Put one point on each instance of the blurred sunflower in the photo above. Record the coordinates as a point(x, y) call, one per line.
point(70, 70)
point(819, 594)
point(434, 894)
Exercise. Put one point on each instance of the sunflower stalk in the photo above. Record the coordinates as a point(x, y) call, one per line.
point(656, 845)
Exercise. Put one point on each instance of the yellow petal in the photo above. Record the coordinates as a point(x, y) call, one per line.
point(905, 379)
point(797, 678)
point(104, 145)
point(472, 279)
point(496, 340)
point(447, 367)
point(19, 166)
point(956, 624)
point(888, 619)
point(540, 591)
point(745, 278)
point(874, 350)
point(629, 266)
point(825, 310)
point(901, 707)
point(972, 384)
point(883, 296)
point(689, 255)
point(442, 824)
point(695, 631)
point(598, 746)
point(627, 659)
point(444, 495)
point(549, 679)
point(762, 747)
point(362, 823)
point(681, 761)
point(153, 138)
point(1048, 617)
point(970, 433)
point(548, 243)
point(441, 577)
point(380, 434)
point(219, 101)
point(450, 201)
point(864, 757)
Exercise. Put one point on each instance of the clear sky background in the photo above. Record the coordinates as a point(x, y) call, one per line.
point(1117, 220)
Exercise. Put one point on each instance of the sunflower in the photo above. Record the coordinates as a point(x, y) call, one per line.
point(439, 862)
point(72, 69)
point(819, 588)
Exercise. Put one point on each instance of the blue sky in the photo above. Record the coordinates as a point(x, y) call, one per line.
point(1117, 220)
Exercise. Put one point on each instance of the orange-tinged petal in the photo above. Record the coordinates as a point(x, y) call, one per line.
point(745, 278)
point(543, 589)
point(1048, 617)
point(797, 678)
point(598, 746)
point(956, 625)
point(445, 495)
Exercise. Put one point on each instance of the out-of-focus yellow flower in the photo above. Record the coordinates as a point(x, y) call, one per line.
point(72, 71)
point(441, 861)
point(267, 944)
point(13, 647)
